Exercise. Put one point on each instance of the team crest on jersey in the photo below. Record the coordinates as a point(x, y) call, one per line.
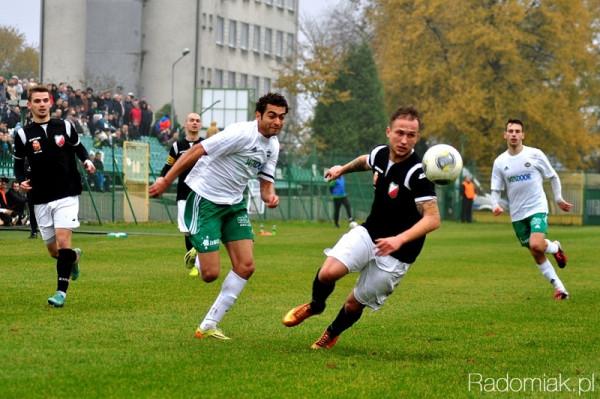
point(59, 140)
point(527, 165)
point(268, 153)
point(393, 190)
point(35, 145)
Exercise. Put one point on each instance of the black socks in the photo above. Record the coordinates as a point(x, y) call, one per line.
point(64, 264)
point(343, 321)
point(320, 293)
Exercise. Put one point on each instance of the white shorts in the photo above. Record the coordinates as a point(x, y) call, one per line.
point(379, 275)
point(180, 219)
point(59, 214)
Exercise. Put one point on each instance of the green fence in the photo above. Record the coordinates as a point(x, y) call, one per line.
point(304, 194)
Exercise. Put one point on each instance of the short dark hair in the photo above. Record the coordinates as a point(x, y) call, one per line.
point(37, 89)
point(273, 99)
point(514, 122)
point(408, 112)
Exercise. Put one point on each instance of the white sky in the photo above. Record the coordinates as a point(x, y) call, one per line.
point(25, 15)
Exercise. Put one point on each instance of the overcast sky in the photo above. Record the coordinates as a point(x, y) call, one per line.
point(25, 15)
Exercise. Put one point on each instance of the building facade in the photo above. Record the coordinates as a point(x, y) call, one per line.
point(139, 45)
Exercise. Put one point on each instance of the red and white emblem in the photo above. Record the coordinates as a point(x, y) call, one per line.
point(393, 190)
point(60, 140)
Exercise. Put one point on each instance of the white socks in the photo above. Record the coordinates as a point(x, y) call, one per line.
point(551, 247)
point(230, 290)
point(548, 271)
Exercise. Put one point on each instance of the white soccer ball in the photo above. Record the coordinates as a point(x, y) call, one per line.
point(353, 224)
point(442, 164)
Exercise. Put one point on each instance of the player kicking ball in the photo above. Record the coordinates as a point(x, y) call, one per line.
point(382, 249)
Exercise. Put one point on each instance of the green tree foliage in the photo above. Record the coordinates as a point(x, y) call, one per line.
point(16, 58)
point(471, 65)
point(355, 125)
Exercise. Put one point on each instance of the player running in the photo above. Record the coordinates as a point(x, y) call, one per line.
point(521, 171)
point(216, 211)
point(51, 147)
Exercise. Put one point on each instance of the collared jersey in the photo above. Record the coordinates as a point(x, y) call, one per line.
point(50, 151)
point(179, 148)
point(398, 189)
point(522, 176)
point(234, 156)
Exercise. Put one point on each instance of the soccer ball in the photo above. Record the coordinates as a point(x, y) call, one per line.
point(442, 164)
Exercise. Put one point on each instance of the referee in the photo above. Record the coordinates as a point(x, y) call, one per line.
point(179, 147)
point(50, 147)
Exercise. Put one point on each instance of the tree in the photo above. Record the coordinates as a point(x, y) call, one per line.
point(16, 58)
point(357, 123)
point(471, 66)
point(310, 74)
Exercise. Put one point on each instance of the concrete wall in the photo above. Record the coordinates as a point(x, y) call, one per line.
point(63, 41)
point(114, 44)
point(167, 31)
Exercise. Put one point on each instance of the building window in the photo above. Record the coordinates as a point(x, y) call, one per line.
point(209, 77)
point(218, 80)
point(290, 45)
point(243, 81)
point(232, 34)
point(268, 40)
point(268, 2)
point(244, 36)
point(256, 39)
point(231, 79)
point(279, 3)
point(291, 5)
point(279, 44)
point(220, 31)
point(256, 86)
point(267, 83)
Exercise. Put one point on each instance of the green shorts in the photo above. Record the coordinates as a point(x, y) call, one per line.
point(536, 223)
point(211, 223)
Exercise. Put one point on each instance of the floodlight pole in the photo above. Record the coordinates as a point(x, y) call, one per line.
point(185, 52)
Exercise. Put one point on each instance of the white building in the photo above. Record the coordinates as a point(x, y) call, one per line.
point(137, 44)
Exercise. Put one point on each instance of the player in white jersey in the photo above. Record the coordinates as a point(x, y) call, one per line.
point(521, 171)
point(215, 209)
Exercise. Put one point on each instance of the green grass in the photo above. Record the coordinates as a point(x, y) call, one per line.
point(472, 303)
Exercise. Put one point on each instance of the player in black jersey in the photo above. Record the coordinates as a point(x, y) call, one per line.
point(192, 137)
point(404, 210)
point(51, 147)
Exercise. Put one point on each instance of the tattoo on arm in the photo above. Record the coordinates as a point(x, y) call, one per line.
point(358, 164)
point(425, 206)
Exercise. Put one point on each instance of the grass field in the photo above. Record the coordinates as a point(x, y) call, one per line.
point(472, 306)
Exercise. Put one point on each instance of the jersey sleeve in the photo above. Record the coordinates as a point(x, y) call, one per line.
point(171, 158)
point(19, 144)
point(497, 183)
point(268, 170)
point(416, 181)
point(543, 165)
point(72, 136)
point(372, 155)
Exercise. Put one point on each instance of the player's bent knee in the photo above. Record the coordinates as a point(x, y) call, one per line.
point(244, 270)
point(209, 276)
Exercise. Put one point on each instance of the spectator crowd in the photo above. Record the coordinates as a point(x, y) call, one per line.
point(108, 117)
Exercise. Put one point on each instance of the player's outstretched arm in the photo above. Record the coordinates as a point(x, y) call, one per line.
point(185, 162)
point(358, 164)
point(267, 193)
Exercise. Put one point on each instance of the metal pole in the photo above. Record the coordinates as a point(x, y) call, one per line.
point(185, 52)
